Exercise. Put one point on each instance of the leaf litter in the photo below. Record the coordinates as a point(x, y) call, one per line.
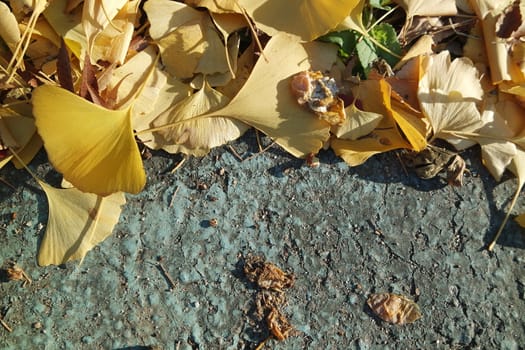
point(272, 284)
point(88, 80)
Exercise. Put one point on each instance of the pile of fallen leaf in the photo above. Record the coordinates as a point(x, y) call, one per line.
point(270, 299)
point(90, 80)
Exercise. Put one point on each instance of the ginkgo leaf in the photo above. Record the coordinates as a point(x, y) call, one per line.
point(245, 64)
point(413, 127)
point(308, 19)
point(112, 43)
point(358, 123)
point(448, 93)
point(93, 147)
point(77, 222)
point(136, 80)
point(266, 103)
point(197, 136)
point(18, 132)
point(217, 6)
point(432, 8)
point(501, 66)
point(68, 26)
point(9, 30)
point(96, 16)
point(28, 152)
point(384, 138)
point(501, 119)
point(187, 39)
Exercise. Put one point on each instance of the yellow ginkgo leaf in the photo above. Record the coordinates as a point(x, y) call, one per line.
point(96, 16)
point(358, 123)
point(501, 65)
point(197, 136)
point(112, 44)
point(93, 147)
point(216, 6)
point(266, 102)
point(77, 222)
point(433, 8)
point(18, 132)
point(448, 92)
point(68, 26)
point(307, 19)
point(9, 30)
point(187, 39)
point(386, 137)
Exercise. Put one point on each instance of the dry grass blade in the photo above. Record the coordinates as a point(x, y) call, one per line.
point(17, 61)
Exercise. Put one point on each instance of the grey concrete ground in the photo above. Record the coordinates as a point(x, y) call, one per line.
point(344, 232)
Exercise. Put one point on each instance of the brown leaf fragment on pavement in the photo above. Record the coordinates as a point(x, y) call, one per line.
point(432, 160)
point(266, 274)
point(270, 297)
point(13, 272)
point(394, 308)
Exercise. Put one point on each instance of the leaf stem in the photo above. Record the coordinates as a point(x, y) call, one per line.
point(490, 247)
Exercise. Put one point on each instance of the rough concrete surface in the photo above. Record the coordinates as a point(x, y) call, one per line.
point(344, 232)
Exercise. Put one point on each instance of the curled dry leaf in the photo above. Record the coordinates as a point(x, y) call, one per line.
point(502, 67)
point(13, 272)
point(432, 160)
point(271, 298)
point(279, 326)
point(76, 223)
point(113, 42)
point(266, 274)
point(394, 308)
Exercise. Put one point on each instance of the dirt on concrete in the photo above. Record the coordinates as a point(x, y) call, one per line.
point(344, 233)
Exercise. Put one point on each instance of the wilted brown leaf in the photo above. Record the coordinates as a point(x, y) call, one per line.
point(394, 308)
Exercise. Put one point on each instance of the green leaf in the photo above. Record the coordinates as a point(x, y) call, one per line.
point(367, 53)
point(346, 40)
point(381, 4)
point(385, 34)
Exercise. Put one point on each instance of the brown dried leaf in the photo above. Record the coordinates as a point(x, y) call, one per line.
point(266, 274)
point(89, 84)
point(394, 308)
point(64, 68)
point(278, 324)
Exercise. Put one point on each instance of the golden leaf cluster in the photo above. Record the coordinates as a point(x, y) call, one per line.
point(88, 80)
